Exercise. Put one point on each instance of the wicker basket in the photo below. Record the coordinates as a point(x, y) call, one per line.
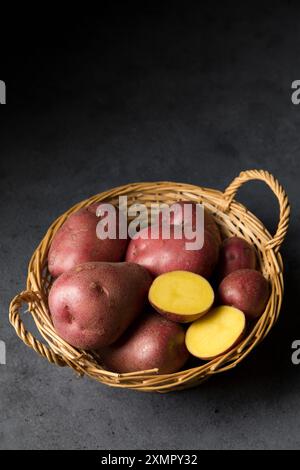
point(232, 218)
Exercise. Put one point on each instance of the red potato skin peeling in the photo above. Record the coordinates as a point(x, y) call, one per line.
point(76, 242)
point(151, 342)
point(94, 303)
point(247, 290)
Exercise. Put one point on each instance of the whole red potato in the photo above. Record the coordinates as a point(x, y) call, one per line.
point(236, 253)
point(76, 242)
point(161, 255)
point(151, 342)
point(247, 290)
point(93, 304)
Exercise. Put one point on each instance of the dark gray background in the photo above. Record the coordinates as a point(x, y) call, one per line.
point(186, 95)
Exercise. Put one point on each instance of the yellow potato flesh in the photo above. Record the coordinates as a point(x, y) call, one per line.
point(181, 293)
point(216, 332)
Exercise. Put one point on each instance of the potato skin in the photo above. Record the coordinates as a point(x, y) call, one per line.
point(94, 303)
point(236, 253)
point(247, 290)
point(151, 342)
point(76, 242)
point(176, 317)
point(161, 256)
point(177, 217)
point(212, 227)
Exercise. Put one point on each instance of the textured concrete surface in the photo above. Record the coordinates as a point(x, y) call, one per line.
point(171, 95)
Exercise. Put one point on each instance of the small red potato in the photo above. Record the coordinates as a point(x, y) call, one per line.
point(236, 253)
point(151, 342)
point(215, 333)
point(76, 242)
point(94, 303)
point(181, 296)
point(247, 290)
point(160, 256)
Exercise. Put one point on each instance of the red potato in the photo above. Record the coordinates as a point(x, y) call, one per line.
point(179, 216)
point(94, 303)
point(151, 342)
point(236, 253)
point(161, 256)
point(247, 290)
point(76, 242)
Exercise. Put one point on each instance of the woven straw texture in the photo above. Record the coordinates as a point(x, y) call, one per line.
point(232, 218)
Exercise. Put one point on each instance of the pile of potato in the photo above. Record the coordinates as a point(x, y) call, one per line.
point(149, 303)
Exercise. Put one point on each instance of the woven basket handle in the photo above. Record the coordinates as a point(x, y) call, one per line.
point(26, 336)
point(279, 192)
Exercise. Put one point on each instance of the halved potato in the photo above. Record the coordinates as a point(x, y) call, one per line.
point(181, 296)
point(215, 333)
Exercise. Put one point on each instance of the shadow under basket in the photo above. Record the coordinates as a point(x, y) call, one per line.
point(232, 218)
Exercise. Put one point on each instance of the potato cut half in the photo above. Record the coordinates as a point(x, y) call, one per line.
point(181, 296)
point(216, 333)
